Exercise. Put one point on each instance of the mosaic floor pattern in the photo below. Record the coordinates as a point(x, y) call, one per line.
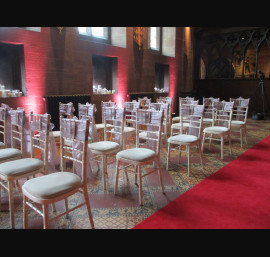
point(122, 211)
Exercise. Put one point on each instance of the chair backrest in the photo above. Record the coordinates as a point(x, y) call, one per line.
point(240, 111)
point(165, 107)
point(87, 111)
point(131, 112)
point(106, 104)
point(77, 132)
point(223, 117)
point(66, 110)
point(114, 123)
point(150, 122)
point(144, 102)
point(18, 119)
point(192, 114)
point(3, 125)
point(39, 134)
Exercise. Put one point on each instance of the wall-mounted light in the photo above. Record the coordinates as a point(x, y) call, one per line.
point(60, 29)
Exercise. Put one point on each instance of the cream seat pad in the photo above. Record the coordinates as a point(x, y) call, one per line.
point(182, 138)
point(103, 146)
point(55, 133)
point(216, 129)
point(20, 167)
point(136, 154)
point(237, 123)
point(100, 126)
point(52, 185)
point(2, 145)
point(9, 153)
point(207, 120)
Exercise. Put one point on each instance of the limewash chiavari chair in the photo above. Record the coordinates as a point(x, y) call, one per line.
point(12, 171)
point(222, 128)
point(239, 116)
point(130, 126)
point(182, 100)
point(176, 126)
point(57, 186)
point(148, 154)
point(189, 136)
point(100, 126)
point(3, 127)
point(114, 122)
point(88, 111)
point(209, 110)
point(144, 102)
point(65, 111)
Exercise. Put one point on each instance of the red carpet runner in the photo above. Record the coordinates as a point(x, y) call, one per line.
point(235, 197)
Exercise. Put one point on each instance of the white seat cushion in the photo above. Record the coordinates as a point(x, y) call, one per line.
point(237, 123)
point(216, 129)
point(182, 138)
point(55, 133)
point(9, 153)
point(207, 120)
point(136, 154)
point(177, 125)
point(52, 185)
point(176, 119)
point(20, 167)
point(2, 145)
point(103, 146)
point(100, 126)
point(129, 129)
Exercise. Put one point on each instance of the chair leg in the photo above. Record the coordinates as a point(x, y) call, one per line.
point(241, 137)
point(11, 204)
point(140, 185)
point(87, 201)
point(25, 213)
point(200, 151)
point(222, 147)
point(104, 169)
point(160, 176)
point(0, 197)
point(230, 143)
point(168, 155)
point(203, 142)
point(116, 177)
point(188, 155)
point(45, 216)
point(66, 207)
point(245, 129)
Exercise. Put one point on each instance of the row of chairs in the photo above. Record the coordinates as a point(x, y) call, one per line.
point(77, 141)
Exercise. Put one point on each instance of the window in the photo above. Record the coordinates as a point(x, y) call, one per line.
point(154, 36)
point(100, 34)
point(162, 40)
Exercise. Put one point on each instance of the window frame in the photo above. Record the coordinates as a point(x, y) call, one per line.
point(159, 49)
point(89, 36)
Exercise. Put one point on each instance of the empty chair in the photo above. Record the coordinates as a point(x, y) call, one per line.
point(209, 110)
point(114, 122)
point(182, 100)
point(140, 156)
point(65, 111)
point(88, 111)
point(193, 115)
point(130, 126)
point(239, 117)
point(3, 127)
point(57, 186)
point(183, 107)
point(12, 171)
point(100, 126)
point(144, 102)
point(221, 130)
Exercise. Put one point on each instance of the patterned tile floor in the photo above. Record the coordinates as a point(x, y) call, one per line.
point(123, 211)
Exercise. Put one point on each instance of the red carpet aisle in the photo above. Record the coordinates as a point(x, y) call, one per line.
point(235, 197)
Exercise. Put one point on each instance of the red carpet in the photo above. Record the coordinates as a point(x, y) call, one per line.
point(235, 197)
